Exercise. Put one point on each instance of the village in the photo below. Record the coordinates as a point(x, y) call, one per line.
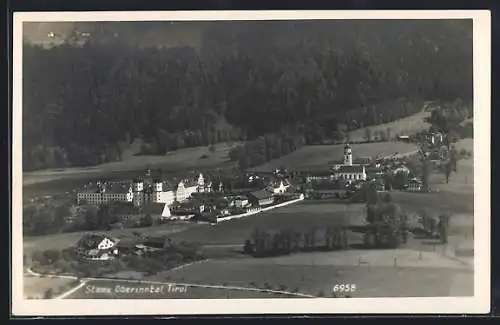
point(150, 200)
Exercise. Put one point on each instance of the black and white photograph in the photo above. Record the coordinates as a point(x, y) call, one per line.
point(251, 162)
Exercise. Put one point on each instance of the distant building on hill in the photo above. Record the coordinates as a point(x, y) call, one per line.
point(404, 138)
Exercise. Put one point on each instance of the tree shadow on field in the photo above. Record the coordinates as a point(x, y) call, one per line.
point(363, 246)
point(434, 242)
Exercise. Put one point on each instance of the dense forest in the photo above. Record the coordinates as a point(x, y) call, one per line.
point(289, 83)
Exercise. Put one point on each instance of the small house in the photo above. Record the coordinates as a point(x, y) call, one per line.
point(415, 185)
point(241, 202)
point(404, 138)
point(129, 245)
point(154, 242)
point(97, 247)
point(279, 186)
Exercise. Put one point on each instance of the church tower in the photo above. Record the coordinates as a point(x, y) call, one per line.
point(347, 155)
point(138, 193)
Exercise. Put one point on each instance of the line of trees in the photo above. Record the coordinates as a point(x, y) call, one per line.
point(67, 261)
point(265, 148)
point(82, 104)
point(44, 219)
point(266, 243)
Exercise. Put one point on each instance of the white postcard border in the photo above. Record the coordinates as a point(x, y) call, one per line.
point(480, 303)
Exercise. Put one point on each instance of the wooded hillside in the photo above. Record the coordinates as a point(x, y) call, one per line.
point(249, 79)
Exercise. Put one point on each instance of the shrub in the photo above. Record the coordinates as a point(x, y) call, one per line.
point(151, 266)
point(63, 266)
point(248, 248)
point(38, 257)
point(48, 294)
point(68, 254)
point(175, 257)
point(52, 255)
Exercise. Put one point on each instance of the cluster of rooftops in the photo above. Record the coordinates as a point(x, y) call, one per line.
point(123, 186)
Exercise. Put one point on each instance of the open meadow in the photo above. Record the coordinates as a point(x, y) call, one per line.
point(297, 216)
point(106, 290)
point(35, 287)
point(461, 182)
point(372, 272)
point(64, 240)
point(322, 155)
point(405, 126)
point(183, 159)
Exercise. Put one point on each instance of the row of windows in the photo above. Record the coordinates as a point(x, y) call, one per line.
point(98, 195)
point(179, 190)
point(351, 176)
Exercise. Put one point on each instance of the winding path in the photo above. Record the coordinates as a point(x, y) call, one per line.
point(84, 281)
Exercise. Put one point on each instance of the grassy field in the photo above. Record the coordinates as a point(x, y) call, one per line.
point(297, 216)
point(184, 159)
point(34, 287)
point(321, 155)
point(88, 292)
point(439, 202)
point(461, 182)
point(320, 277)
point(405, 126)
point(64, 240)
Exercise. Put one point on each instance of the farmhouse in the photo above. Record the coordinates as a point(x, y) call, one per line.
point(415, 185)
point(401, 169)
point(434, 138)
point(188, 208)
point(156, 242)
point(129, 245)
point(279, 186)
point(97, 247)
point(261, 198)
point(404, 138)
point(238, 201)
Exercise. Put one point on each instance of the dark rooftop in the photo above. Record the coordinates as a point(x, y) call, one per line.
point(260, 195)
point(155, 208)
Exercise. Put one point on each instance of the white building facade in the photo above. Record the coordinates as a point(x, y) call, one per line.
point(349, 171)
point(139, 192)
